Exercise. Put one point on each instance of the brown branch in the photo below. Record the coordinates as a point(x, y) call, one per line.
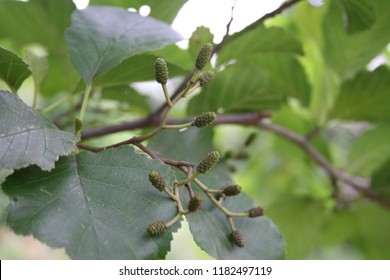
point(242, 119)
point(335, 174)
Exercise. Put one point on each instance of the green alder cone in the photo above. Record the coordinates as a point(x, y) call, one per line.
point(157, 180)
point(256, 212)
point(206, 77)
point(208, 162)
point(232, 190)
point(156, 228)
point(204, 119)
point(238, 239)
point(203, 56)
point(161, 71)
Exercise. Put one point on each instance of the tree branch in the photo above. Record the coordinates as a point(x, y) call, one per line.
point(335, 174)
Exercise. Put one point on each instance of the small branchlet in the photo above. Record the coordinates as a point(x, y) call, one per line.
point(255, 212)
point(195, 203)
point(157, 180)
point(238, 238)
point(203, 56)
point(204, 119)
point(161, 71)
point(232, 190)
point(156, 228)
point(208, 162)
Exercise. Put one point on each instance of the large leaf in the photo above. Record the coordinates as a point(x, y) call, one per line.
point(41, 22)
point(365, 225)
point(97, 206)
point(346, 53)
point(13, 70)
point(259, 41)
point(286, 75)
point(360, 15)
point(164, 10)
point(26, 137)
point(208, 225)
point(370, 151)
point(364, 98)
point(380, 180)
point(212, 233)
point(301, 222)
point(238, 88)
point(99, 38)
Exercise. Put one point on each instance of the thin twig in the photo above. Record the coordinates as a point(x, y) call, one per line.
point(255, 24)
point(230, 21)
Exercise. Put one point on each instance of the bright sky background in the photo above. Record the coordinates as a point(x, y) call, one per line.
point(214, 14)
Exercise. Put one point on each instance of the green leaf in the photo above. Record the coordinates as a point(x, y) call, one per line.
point(212, 233)
point(370, 151)
point(380, 180)
point(42, 23)
point(238, 88)
point(286, 75)
point(301, 221)
point(350, 53)
point(26, 137)
point(13, 70)
point(165, 10)
point(97, 206)
point(129, 95)
point(99, 38)
point(259, 41)
point(199, 37)
point(364, 98)
point(365, 225)
point(208, 225)
point(360, 15)
point(134, 69)
point(38, 65)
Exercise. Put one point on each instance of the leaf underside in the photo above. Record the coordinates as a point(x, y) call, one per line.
point(26, 137)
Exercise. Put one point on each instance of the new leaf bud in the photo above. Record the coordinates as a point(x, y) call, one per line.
point(204, 119)
point(208, 162)
point(161, 71)
point(203, 56)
